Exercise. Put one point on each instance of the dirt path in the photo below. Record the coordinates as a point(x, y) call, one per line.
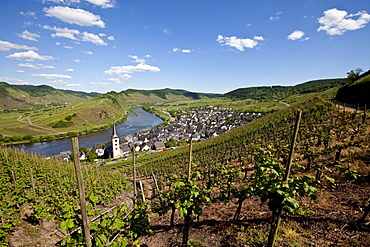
point(40, 127)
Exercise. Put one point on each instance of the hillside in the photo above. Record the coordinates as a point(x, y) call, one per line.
point(18, 96)
point(267, 93)
point(136, 97)
point(357, 92)
point(85, 115)
point(71, 119)
point(235, 186)
point(331, 157)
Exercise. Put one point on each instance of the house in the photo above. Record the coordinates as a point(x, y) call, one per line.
point(99, 149)
point(159, 146)
point(144, 147)
point(82, 155)
point(63, 156)
point(125, 149)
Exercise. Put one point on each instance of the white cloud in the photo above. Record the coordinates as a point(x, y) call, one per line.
point(111, 38)
point(73, 85)
point(21, 71)
point(67, 2)
point(9, 79)
point(100, 83)
point(88, 52)
point(93, 38)
point(28, 56)
point(120, 79)
point(166, 31)
point(277, 16)
point(297, 35)
point(259, 38)
point(28, 35)
point(27, 23)
point(103, 3)
point(52, 76)
point(35, 66)
point(337, 22)
point(137, 59)
point(68, 47)
point(75, 16)
point(117, 70)
point(181, 50)
point(61, 82)
point(63, 32)
point(75, 35)
point(239, 43)
point(79, 61)
point(29, 14)
point(69, 70)
point(6, 46)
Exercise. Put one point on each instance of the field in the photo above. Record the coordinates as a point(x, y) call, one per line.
point(91, 114)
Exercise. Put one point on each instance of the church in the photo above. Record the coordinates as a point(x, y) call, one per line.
point(114, 151)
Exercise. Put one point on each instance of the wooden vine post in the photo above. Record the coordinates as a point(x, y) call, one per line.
point(277, 219)
point(85, 222)
point(134, 167)
point(190, 158)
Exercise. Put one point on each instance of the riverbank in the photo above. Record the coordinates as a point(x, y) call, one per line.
point(16, 140)
point(138, 120)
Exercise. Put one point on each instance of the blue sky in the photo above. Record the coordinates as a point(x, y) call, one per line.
point(197, 45)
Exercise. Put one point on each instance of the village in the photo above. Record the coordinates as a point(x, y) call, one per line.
point(195, 125)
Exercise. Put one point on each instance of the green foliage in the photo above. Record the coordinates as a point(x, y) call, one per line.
point(18, 92)
point(27, 137)
point(268, 183)
point(49, 188)
point(281, 92)
point(163, 93)
point(354, 74)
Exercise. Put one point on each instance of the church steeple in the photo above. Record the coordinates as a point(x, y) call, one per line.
point(114, 134)
point(116, 150)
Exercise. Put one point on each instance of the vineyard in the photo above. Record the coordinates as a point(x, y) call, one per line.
point(296, 177)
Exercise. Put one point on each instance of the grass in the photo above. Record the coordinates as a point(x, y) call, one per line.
point(89, 114)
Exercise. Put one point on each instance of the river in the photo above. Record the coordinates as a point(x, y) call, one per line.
point(135, 123)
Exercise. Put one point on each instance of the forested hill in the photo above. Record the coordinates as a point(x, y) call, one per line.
point(356, 92)
point(162, 95)
point(16, 96)
point(281, 92)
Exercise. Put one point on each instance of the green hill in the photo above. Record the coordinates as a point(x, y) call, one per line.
point(357, 92)
point(18, 96)
point(267, 93)
point(135, 96)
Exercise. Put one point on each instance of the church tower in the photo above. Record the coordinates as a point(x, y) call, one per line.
point(116, 150)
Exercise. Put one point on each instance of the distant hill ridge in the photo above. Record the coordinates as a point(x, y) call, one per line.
point(281, 92)
point(163, 92)
point(18, 96)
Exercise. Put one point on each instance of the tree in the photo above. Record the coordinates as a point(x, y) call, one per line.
point(354, 74)
point(207, 133)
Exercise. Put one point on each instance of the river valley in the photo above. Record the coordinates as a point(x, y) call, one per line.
point(140, 121)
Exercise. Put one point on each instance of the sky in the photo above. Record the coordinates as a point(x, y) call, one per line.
point(197, 45)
